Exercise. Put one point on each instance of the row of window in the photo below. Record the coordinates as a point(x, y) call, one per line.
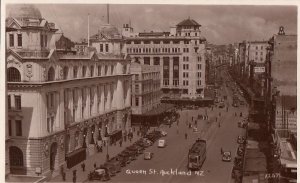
point(17, 102)
point(261, 53)
point(153, 50)
point(185, 74)
point(185, 66)
point(158, 42)
point(102, 48)
point(43, 40)
point(148, 99)
point(185, 50)
point(108, 70)
point(17, 126)
point(185, 82)
point(185, 58)
point(12, 40)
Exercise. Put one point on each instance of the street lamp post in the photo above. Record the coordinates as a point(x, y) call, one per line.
point(107, 142)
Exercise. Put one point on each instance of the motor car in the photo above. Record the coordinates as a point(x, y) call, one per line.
point(221, 105)
point(132, 154)
point(195, 129)
point(138, 148)
point(162, 143)
point(99, 174)
point(124, 159)
point(115, 163)
point(241, 139)
point(226, 156)
point(163, 133)
point(110, 169)
point(148, 155)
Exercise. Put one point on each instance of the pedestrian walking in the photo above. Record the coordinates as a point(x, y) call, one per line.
point(63, 176)
point(83, 167)
point(235, 113)
point(185, 135)
point(216, 119)
point(107, 158)
point(221, 150)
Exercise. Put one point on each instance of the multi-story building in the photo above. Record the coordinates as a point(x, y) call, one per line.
point(180, 54)
point(145, 88)
point(59, 105)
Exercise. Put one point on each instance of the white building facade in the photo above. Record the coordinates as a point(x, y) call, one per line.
point(59, 105)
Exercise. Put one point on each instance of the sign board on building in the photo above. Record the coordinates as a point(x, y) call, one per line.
point(259, 69)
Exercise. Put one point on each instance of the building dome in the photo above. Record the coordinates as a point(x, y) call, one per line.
point(24, 11)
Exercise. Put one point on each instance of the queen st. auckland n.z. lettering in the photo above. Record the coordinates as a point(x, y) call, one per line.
point(164, 172)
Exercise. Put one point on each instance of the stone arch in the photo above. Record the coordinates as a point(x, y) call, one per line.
point(15, 157)
point(13, 75)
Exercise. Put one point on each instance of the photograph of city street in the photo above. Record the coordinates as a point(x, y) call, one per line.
point(150, 93)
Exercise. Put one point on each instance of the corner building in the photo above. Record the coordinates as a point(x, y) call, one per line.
point(180, 54)
point(59, 105)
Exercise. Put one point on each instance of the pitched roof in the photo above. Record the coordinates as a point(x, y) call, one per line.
point(188, 22)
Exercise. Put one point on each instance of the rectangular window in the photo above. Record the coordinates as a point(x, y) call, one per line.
point(156, 61)
point(18, 128)
point(42, 40)
point(9, 128)
point(9, 102)
point(99, 70)
point(136, 101)
point(147, 60)
point(45, 40)
point(101, 47)
point(11, 40)
point(261, 47)
point(186, 42)
point(18, 102)
point(106, 47)
point(19, 40)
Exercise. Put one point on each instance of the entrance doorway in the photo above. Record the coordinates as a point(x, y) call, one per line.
point(53, 153)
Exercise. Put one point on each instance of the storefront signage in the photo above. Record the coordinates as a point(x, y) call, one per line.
point(259, 69)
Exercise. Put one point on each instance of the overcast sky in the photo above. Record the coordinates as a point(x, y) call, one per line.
point(220, 24)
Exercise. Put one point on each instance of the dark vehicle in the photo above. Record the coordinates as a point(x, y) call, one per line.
point(131, 154)
point(99, 174)
point(110, 169)
point(148, 155)
point(197, 155)
point(123, 159)
point(114, 163)
point(241, 139)
point(137, 148)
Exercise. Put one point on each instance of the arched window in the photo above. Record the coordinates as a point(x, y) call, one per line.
point(15, 156)
point(13, 75)
point(99, 70)
point(51, 74)
point(65, 72)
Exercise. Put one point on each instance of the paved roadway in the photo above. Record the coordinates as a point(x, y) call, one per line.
point(174, 156)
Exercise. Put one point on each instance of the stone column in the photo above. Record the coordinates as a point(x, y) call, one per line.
point(128, 96)
point(59, 104)
point(102, 104)
point(119, 94)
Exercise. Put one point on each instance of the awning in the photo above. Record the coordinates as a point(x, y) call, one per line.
point(75, 152)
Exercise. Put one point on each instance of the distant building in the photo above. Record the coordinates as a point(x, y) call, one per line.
point(145, 89)
point(60, 105)
point(81, 47)
point(179, 53)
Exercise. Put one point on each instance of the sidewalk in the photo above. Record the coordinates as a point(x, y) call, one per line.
point(98, 158)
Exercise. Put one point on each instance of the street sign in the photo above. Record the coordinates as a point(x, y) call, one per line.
point(259, 69)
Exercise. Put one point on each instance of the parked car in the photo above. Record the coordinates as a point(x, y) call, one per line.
point(110, 169)
point(148, 155)
point(123, 159)
point(99, 174)
point(226, 156)
point(114, 163)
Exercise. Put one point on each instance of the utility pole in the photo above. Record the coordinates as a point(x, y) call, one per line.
point(107, 11)
point(88, 38)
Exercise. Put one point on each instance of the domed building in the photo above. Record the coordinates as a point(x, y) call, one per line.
point(60, 105)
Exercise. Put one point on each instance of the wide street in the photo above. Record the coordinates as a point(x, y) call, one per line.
point(174, 156)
